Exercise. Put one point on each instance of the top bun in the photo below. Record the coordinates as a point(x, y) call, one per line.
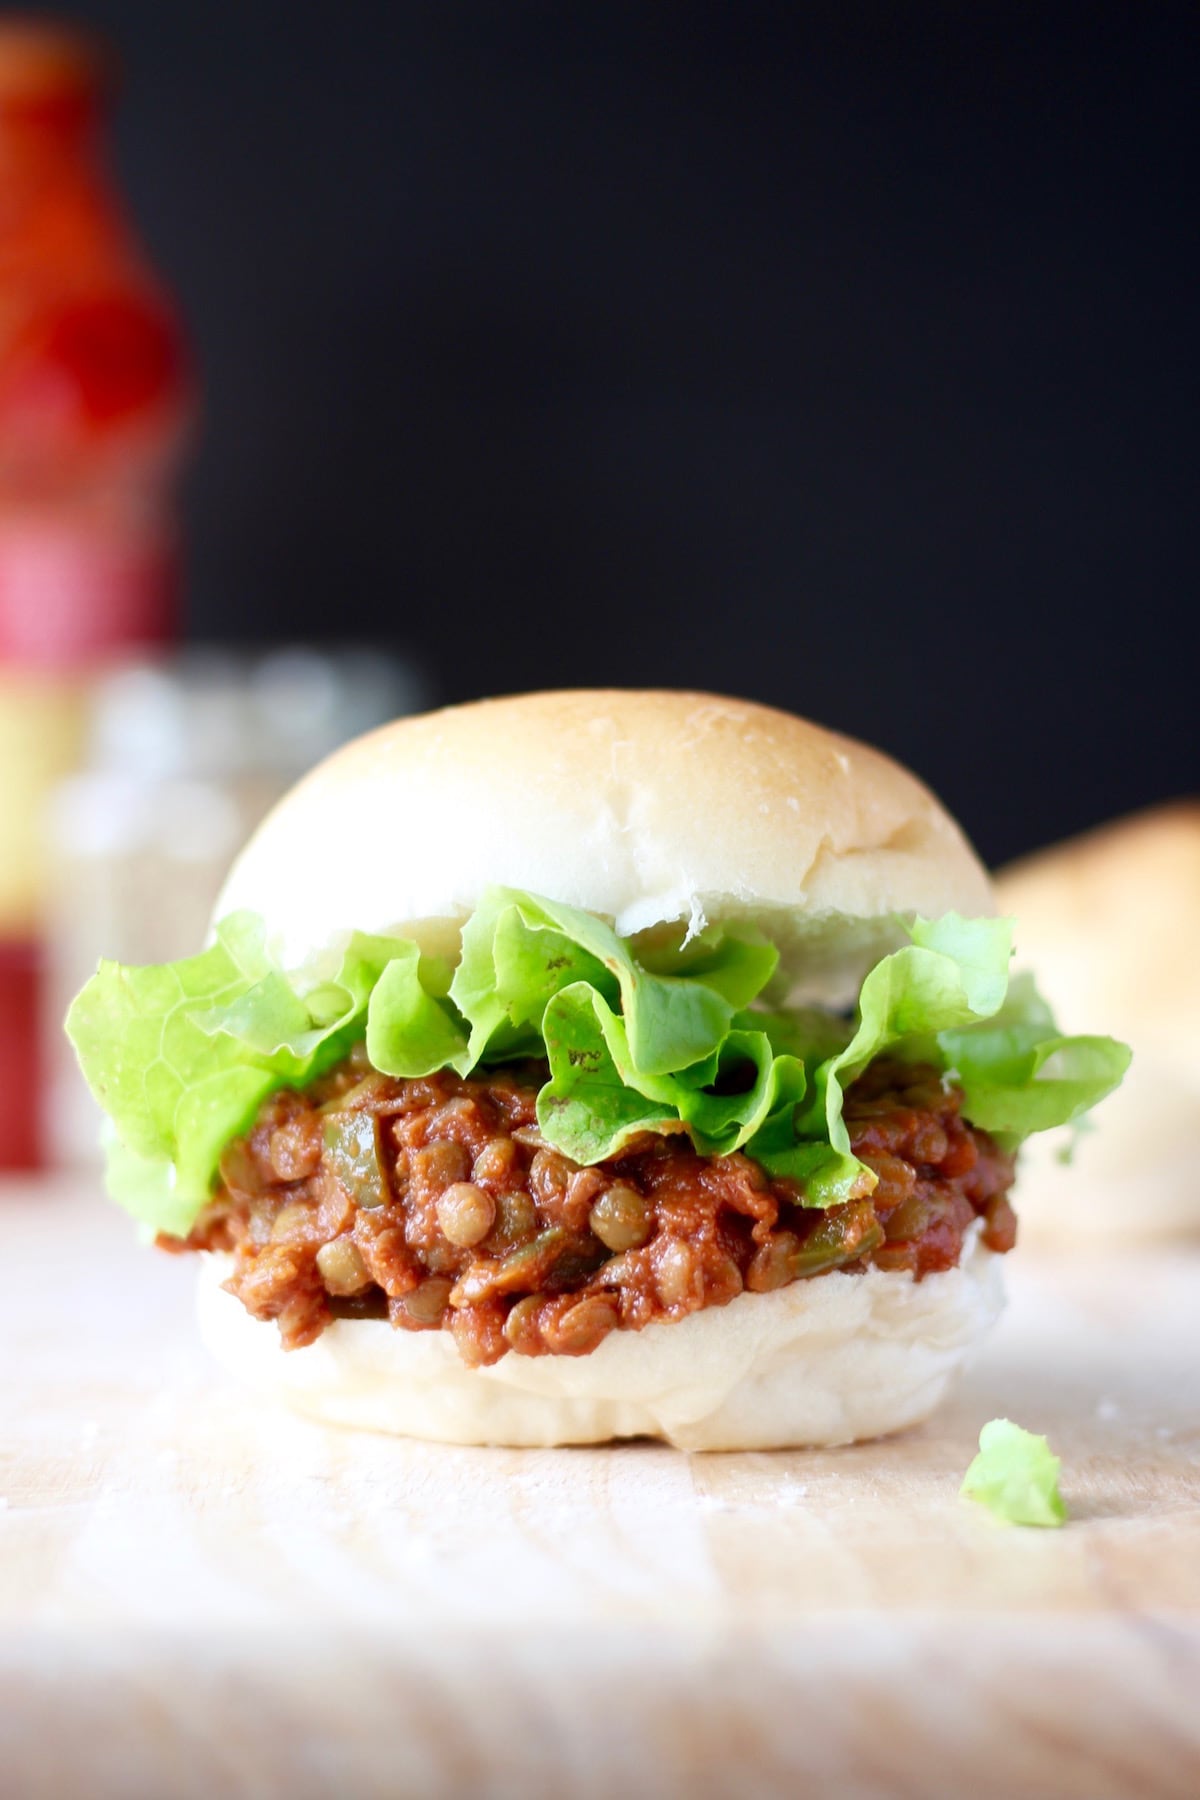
point(644, 807)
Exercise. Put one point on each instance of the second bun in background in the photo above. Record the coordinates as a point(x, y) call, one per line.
point(1110, 921)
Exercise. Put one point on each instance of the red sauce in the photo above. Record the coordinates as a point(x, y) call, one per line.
point(436, 1203)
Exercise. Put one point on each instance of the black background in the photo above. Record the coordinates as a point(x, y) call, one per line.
point(839, 356)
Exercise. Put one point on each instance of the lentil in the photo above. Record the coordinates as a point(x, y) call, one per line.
point(295, 1148)
point(619, 1218)
point(583, 1325)
point(466, 1214)
point(426, 1303)
point(341, 1267)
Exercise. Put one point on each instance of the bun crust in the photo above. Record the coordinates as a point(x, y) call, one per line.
point(1109, 923)
point(644, 807)
point(826, 1361)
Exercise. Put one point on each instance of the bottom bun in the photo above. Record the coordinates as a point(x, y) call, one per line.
point(824, 1361)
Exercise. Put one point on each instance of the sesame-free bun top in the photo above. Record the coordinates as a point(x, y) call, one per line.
point(645, 807)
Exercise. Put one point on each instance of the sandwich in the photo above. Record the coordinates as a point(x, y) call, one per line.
point(592, 1065)
point(1108, 921)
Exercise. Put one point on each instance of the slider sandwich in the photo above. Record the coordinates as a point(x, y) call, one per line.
point(1109, 922)
point(591, 1065)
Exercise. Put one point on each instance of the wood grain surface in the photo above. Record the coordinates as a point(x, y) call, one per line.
point(201, 1597)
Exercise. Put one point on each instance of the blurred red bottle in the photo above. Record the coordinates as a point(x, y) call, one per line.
point(95, 397)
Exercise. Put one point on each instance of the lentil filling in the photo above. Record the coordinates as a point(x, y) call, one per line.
point(435, 1203)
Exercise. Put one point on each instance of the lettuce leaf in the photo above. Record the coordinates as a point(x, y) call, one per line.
point(954, 972)
point(410, 1029)
point(639, 1036)
point(598, 1096)
point(182, 1055)
point(1015, 1476)
point(1020, 1075)
point(519, 952)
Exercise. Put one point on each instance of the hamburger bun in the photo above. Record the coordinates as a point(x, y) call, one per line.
point(1109, 924)
point(650, 809)
point(821, 1362)
point(647, 808)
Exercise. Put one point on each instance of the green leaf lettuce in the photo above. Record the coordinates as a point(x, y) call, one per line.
point(1015, 1476)
point(651, 1036)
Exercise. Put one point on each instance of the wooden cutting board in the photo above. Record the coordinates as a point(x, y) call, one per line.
point(200, 1597)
